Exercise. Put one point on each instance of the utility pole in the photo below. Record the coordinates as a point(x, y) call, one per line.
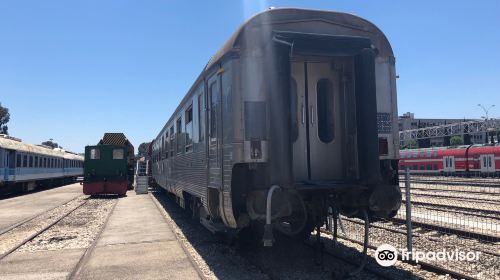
point(486, 120)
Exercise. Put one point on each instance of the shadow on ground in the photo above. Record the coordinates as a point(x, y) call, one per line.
point(228, 259)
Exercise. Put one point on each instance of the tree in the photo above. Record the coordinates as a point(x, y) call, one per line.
point(411, 144)
point(143, 148)
point(51, 144)
point(4, 119)
point(456, 141)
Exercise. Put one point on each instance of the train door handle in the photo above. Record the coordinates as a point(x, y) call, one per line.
point(312, 115)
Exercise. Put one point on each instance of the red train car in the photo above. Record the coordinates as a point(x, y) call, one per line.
point(460, 161)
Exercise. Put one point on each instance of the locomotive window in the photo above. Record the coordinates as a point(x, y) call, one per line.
point(293, 110)
point(201, 116)
point(117, 153)
point(18, 161)
point(189, 128)
point(95, 154)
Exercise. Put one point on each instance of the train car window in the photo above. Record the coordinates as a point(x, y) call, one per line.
point(484, 161)
point(429, 167)
point(25, 161)
point(435, 167)
point(325, 107)
point(172, 141)
point(167, 144)
point(95, 153)
point(162, 147)
point(429, 154)
point(178, 125)
point(415, 167)
point(30, 161)
point(489, 161)
point(293, 110)
point(36, 162)
point(201, 116)
point(214, 100)
point(18, 160)
point(118, 154)
point(188, 116)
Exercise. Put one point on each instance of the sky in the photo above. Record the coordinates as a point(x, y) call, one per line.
point(72, 70)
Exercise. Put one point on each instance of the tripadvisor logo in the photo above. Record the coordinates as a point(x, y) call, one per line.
point(386, 255)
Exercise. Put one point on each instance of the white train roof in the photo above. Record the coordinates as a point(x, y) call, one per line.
point(17, 145)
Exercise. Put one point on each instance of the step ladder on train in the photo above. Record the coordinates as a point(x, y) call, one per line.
point(141, 177)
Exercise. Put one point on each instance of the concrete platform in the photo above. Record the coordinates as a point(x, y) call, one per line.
point(56, 264)
point(137, 243)
point(16, 209)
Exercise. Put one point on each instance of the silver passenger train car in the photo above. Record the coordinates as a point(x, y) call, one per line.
point(24, 167)
point(295, 115)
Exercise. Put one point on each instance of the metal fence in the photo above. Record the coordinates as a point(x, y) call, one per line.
point(443, 216)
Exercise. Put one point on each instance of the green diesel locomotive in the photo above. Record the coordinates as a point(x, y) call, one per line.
point(108, 166)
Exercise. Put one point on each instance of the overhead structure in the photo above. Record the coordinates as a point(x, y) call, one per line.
point(454, 129)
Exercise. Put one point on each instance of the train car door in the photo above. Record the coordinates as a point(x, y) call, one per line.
point(317, 136)
point(449, 164)
point(214, 143)
point(487, 163)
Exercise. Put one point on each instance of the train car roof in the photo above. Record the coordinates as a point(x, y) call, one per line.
point(10, 144)
point(343, 23)
point(355, 25)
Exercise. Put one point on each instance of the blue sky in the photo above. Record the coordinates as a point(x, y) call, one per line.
point(72, 70)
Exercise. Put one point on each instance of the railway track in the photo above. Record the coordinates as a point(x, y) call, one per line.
point(415, 234)
point(38, 232)
point(424, 265)
point(453, 190)
point(80, 266)
point(471, 182)
point(11, 227)
point(463, 206)
point(368, 268)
